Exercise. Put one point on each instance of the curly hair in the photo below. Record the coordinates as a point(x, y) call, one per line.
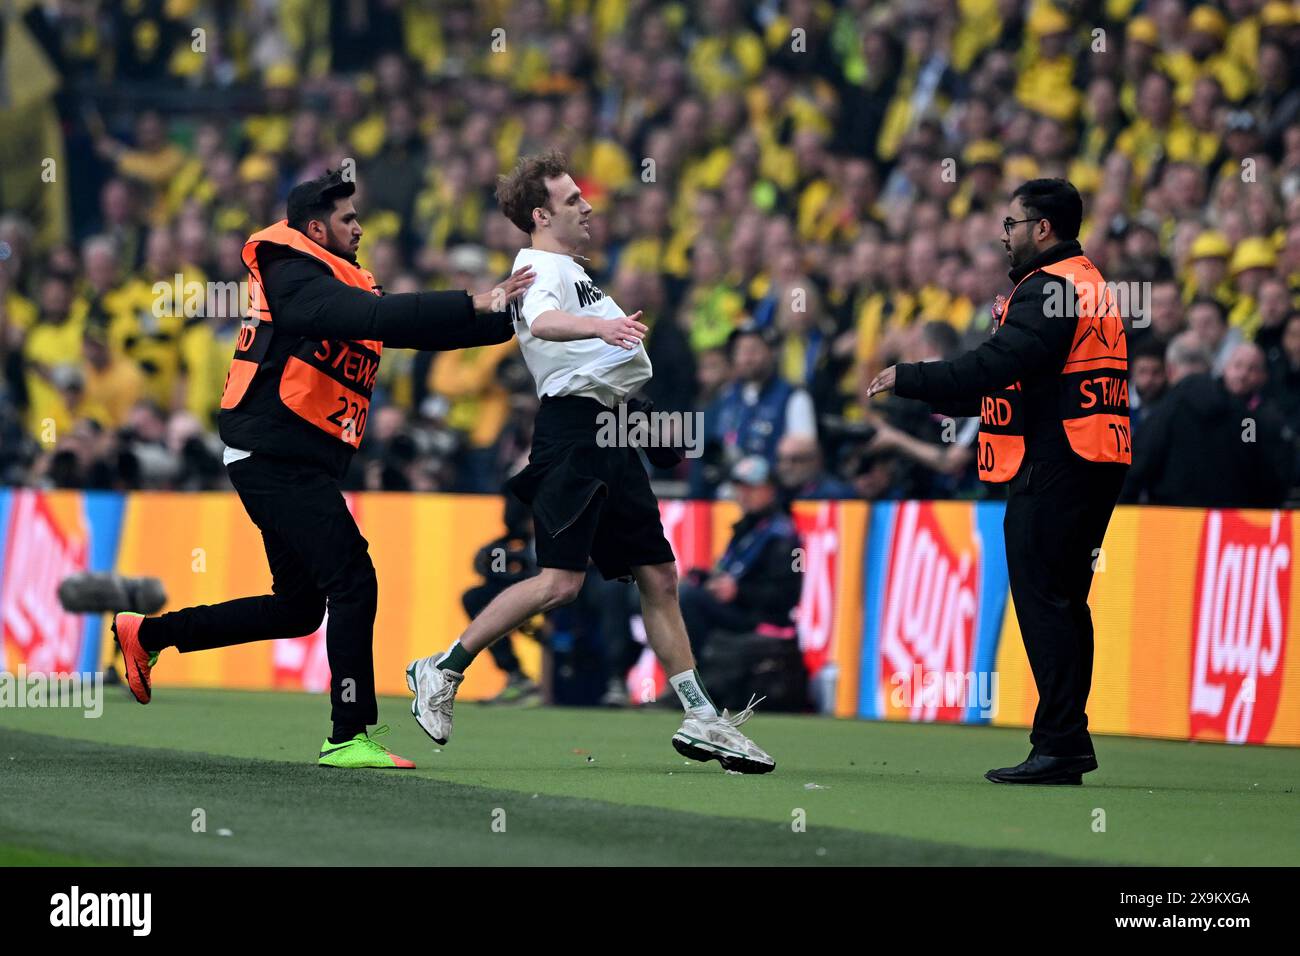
point(524, 189)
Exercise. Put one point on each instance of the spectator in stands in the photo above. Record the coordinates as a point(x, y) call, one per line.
point(1148, 382)
point(475, 402)
point(1246, 378)
point(751, 414)
point(802, 474)
point(153, 161)
point(120, 220)
point(1142, 260)
point(1164, 312)
point(51, 353)
point(875, 475)
point(113, 383)
point(95, 300)
point(755, 584)
point(1283, 389)
point(1274, 307)
point(712, 374)
point(1208, 270)
point(1185, 356)
point(986, 280)
point(1213, 443)
point(929, 455)
point(1252, 261)
point(1206, 319)
point(1284, 371)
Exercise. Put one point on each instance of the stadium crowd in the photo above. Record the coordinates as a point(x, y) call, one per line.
point(797, 194)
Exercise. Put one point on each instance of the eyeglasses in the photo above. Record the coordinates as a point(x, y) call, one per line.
point(1009, 222)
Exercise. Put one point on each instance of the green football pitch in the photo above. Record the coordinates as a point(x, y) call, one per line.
point(224, 777)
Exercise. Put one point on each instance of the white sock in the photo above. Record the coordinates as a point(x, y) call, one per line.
point(690, 691)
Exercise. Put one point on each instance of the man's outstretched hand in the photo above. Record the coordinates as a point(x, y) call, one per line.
point(501, 295)
point(884, 382)
point(626, 331)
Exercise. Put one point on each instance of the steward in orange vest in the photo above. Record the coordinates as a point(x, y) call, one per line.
point(304, 367)
point(1050, 385)
point(1051, 382)
point(293, 411)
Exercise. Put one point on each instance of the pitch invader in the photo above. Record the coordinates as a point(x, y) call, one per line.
point(589, 501)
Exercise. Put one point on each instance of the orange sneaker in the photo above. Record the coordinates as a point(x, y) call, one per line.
point(137, 661)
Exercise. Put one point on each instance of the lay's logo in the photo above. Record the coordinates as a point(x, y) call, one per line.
point(41, 553)
point(815, 616)
point(1239, 624)
point(930, 610)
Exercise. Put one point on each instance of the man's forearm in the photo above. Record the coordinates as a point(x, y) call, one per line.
point(557, 326)
point(447, 320)
point(325, 308)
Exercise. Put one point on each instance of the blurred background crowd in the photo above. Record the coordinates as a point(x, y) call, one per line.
point(828, 178)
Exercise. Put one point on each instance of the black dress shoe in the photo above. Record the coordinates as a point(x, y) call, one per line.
point(1042, 769)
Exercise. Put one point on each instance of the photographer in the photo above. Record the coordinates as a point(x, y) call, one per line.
point(755, 585)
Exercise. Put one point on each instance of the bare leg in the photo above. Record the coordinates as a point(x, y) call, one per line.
point(664, 627)
point(704, 734)
point(517, 603)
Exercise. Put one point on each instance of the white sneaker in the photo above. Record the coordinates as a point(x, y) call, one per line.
point(435, 692)
point(716, 738)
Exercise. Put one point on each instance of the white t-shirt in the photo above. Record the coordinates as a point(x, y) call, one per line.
point(587, 367)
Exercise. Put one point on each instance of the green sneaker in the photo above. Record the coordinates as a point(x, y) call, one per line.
point(362, 751)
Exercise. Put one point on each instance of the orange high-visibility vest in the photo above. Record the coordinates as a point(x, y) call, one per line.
point(1094, 383)
point(327, 383)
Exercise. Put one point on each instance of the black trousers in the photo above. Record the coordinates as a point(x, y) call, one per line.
point(318, 559)
point(1056, 517)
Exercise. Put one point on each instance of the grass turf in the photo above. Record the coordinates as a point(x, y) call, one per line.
point(602, 787)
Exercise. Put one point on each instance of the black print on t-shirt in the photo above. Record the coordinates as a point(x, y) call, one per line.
point(587, 293)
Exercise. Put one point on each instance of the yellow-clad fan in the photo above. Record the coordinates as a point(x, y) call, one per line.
point(1202, 54)
point(1252, 261)
point(51, 355)
point(150, 314)
point(1207, 274)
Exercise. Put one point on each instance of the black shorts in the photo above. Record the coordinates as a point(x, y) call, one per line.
point(588, 501)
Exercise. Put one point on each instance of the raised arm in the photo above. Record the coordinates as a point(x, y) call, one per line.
point(1029, 343)
point(305, 300)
